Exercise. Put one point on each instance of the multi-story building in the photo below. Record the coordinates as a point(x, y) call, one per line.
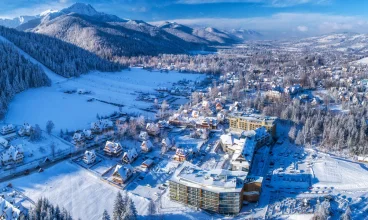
point(253, 121)
point(242, 149)
point(220, 191)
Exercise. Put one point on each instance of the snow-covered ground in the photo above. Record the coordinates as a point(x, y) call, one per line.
point(339, 173)
point(362, 61)
point(74, 188)
point(73, 111)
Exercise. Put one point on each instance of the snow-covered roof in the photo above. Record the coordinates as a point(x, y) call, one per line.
point(217, 180)
point(113, 146)
point(11, 153)
point(89, 155)
point(7, 210)
point(147, 144)
point(3, 142)
point(124, 171)
point(131, 154)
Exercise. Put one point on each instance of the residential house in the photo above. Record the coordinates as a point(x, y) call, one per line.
point(143, 135)
point(25, 130)
point(101, 125)
point(113, 149)
point(146, 146)
point(8, 211)
point(122, 173)
point(78, 137)
point(147, 164)
point(195, 114)
point(13, 155)
point(167, 143)
point(152, 129)
point(3, 142)
point(88, 134)
point(130, 156)
point(7, 129)
point(219, 106)
point(89, 157)
point(181, 154)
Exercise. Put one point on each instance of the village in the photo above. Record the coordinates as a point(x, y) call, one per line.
point(223, 146)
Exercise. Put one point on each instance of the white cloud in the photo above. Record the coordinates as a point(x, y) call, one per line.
point(302, 28)
point(270, 3)
point(289, 3)
point(36, 9)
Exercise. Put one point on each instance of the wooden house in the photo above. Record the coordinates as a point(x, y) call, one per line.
point(113, 149)
point(122, 173)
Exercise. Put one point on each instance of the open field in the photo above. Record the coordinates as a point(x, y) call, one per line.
point(73, 111)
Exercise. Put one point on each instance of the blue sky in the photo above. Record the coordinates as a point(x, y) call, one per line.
point(307, 17)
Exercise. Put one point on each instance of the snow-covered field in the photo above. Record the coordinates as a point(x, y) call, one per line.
point(74, 188)
point(362, 61)
point(72, 111)
point(339, 173)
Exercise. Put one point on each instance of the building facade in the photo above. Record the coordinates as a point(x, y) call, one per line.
point(249, 122)
point(219, 191)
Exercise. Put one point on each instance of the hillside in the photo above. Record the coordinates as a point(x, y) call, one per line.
point(112, 37)
point(63, 58)
point(16, 75)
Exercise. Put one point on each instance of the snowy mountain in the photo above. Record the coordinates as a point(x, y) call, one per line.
point(110, 36)
point(209, 36)
point(247, 34)
point(339, 41)
point(15, 22)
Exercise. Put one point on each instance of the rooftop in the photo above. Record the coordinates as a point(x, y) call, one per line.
point(217, 180)
point(254, 117)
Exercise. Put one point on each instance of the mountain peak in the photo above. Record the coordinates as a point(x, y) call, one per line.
point(81, 8)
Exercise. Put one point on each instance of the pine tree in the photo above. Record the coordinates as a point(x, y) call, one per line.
point(119, 207)
point(131, 212)
point(105, 215)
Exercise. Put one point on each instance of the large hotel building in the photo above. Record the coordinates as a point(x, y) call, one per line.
point(220, 191)
point(249, 122)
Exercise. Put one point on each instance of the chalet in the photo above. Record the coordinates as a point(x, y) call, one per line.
point(152, 129)
point(7, 129)
point(219, 106)
point(113, 149)
point(205, 104)
point(3, 142)
point(12, 155)
point(167, 143)
point(143, 135)
point(122, 173)
point(88, 134)
point(101, 125)
point(25, 130)
point(130, 156)
point(146, 146)
point(78, 137)
point(195, 114)
point(208, 123)
point(147, 164)
point(181, 155)
point(8, 211)
point(163, 124)
point(89, 157)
